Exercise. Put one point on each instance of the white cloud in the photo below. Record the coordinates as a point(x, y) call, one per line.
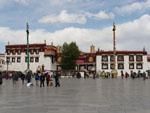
point(133, 35)
point(133, 7)
point(81, 18)
point(64, 17)
point(101, 15)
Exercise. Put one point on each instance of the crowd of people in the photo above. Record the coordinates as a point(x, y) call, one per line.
point(145, 75)
point(40, 78)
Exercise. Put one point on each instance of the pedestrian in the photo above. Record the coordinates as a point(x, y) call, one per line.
point(78, 75)
point(122, 74)
point(28, 76)
point(56, 77)
point(126, 75)
point(22, 76)
point(48, 78)
point(42, 80)
point(15, 78)
point(1, 78)
point(144, 75)
point(37, 78)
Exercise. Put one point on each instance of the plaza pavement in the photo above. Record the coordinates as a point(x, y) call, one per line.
point(78, 96)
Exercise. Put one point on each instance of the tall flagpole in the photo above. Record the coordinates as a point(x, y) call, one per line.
point(28, 59)
point(114, 71)
point(114, 44)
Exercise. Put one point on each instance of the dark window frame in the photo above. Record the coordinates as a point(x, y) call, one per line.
point(131, 57)
point(31, 59)
point(13, 59)
point(37, 59)
point(120, 58)
point(122, 67)
point(104, 58)
point(104, 64)
point(112, 58)
point(18, 59)
point(139, 58)
point(112, 66)
point(139, 64)
point(131, 64)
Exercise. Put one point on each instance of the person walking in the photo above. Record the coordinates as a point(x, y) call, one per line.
point(1, 78)
point(22, 76)
point(48, 78)
point(42, 80)
point(56, 77)
point(122, 74)
point(37, 78)
point(28, 76)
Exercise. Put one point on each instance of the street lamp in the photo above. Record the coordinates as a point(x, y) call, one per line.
point(27, 30)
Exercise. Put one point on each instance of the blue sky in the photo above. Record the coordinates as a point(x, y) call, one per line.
point(86, 22)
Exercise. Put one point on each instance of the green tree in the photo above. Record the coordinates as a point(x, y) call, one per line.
point(70, 52)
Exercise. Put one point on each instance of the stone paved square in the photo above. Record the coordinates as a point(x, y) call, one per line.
point(78, 96)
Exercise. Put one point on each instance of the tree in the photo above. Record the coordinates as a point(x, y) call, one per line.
point(70, 52)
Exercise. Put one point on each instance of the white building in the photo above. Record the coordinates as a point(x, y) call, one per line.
point(2, 61)
point(40, 55)
point(126, 61)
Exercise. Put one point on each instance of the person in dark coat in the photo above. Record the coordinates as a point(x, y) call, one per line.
point(48, 78)
point(28, 76)
point(42, 80)
point(56, 77)
point(37, 78)
point(22, 76)
point(1, 78)
point(78, 75)
point(144, 75)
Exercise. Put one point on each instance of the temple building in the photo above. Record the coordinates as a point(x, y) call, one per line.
point(126, 61)
point(48, 57)
point(40, 55)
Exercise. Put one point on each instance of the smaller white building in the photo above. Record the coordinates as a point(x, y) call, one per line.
point(126, 61)
point(40, 55)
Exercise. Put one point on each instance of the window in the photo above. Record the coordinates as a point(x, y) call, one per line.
point(105, 58)
point(13, 52)
point(36, 59)
point(139, 66)
point(104, 66)
point(112, 58)
point(31, 51)
point(18, 59)
point(8, 52)
point(139, 58)
point(13, 59)
point(131, 65)
point(7, 59)
point(112, 66)
point(37, 51)
point(19, 52)
point(120, 58)
point(31, 59)
point(120, 66)
point(131, 57)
